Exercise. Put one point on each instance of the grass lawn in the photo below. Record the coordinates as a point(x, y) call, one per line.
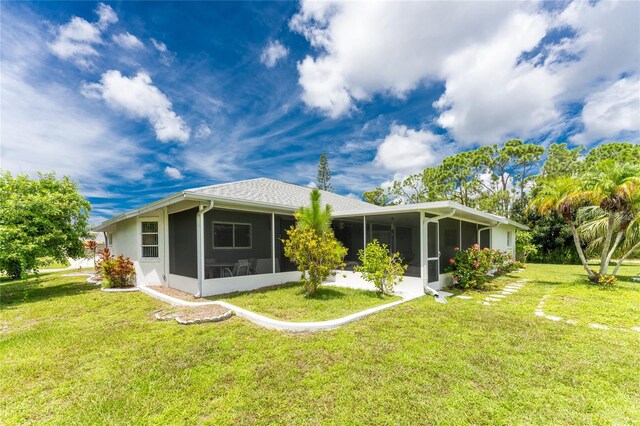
point(71, 354)
point(289, 303)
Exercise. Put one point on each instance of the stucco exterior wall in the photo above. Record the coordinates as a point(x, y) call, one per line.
point(127, 241)
point(499, 238)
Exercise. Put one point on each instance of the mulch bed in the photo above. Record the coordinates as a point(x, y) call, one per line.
point(194, 314)
point(174, 293)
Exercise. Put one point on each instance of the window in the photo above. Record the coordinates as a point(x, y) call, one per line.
point(149, 239)
point(508, 238)
point(231, 235)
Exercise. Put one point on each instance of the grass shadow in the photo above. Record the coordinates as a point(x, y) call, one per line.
point(21, 292)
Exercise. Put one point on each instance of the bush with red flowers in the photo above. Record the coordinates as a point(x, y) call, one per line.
point(473, 267)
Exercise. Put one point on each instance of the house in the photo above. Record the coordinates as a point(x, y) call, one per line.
point(227, 237)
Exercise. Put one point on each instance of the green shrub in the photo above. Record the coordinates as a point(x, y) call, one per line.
point(380, 267)
point(474, 267)
point(118, 272)
point(316, 255)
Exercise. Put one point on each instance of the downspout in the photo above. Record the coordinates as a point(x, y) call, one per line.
point(200, 241)
point(427, 289)
point(484, 229)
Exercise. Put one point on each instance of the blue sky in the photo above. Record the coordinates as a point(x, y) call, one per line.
point(138, 100)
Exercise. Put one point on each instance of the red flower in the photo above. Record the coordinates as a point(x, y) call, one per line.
point(476, 265)
point(456, 248)
point(476, 246)
point(451, 261)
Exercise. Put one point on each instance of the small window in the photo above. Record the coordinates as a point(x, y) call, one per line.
point(150, 239)
point(508, 238)
point(231, 235)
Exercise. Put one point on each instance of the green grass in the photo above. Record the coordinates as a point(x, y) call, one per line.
point(289, 303)
point(71, 354)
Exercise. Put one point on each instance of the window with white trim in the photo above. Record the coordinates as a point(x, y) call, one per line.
point(231, 235)
point(149, 240)
point(508, 238)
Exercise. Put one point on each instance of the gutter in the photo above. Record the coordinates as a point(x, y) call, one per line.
point(200, 240)
point(485, 228)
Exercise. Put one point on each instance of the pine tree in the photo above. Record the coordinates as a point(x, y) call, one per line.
point(324, 174)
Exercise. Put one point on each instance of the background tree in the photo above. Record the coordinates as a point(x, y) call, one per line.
point(43, 217)
point(324, 174)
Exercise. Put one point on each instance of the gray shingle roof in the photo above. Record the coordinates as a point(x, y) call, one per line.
point(264, 190)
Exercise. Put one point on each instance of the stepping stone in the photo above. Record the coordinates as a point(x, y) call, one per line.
point(539, 313)
point(486, 303)
point(498, 295)
point(553, 317)
point(636, 329)
point(507, 292)
point(572, 322)
point(599, 326)
point(491, 299)
point(464, 297)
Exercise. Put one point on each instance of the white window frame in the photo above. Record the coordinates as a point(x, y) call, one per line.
point(140, 233)
point(233, 235)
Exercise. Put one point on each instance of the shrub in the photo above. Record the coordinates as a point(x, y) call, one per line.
point(103, 256)
point(380, 267)
point(118, 272)
point(525, 246)
point(473, 267)
point(606, 281)
point(316, 255)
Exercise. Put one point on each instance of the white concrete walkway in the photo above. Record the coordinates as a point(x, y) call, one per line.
point(407, 292)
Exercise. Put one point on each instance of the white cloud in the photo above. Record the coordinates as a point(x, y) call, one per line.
point(611, 111)
point(106, 16)
point(76, 40)
point(202, 131)
point(272, 53)
point(173, 173)
point(499, 80)
point(139, 98)
point(406, 150)
point(128, 41)
point(311, 184)
point(166, 56)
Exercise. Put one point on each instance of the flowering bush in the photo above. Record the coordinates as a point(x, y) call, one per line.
point(380, 267)
point(118, 272)
point(103, 256)
point(473, 267)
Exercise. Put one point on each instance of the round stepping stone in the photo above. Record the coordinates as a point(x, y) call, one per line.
point(553, 317)
point(599, 326)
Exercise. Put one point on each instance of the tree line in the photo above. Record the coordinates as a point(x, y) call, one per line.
point(504, 179)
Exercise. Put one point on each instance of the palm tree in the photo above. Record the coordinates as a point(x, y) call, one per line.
point(565, 196)
point(613, 188)
point(314, 216)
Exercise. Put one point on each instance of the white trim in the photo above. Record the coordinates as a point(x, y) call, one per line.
point(273, 243)
point(215, 286)
point(140, 219)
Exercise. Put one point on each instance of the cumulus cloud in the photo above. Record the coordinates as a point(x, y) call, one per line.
point(76, 40)
point(137, 97)
point(611, 111)
point(128, 41)
point(406, 150)
point(502, 75)
point(272, 53)
point(173, 173)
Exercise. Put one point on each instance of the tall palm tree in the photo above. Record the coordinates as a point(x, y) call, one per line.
point(565, 196)
point(314, 216)
point(613, 188)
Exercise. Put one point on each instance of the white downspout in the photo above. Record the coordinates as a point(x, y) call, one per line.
point(427, 289)
point(200, 241)
point(484, 229)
